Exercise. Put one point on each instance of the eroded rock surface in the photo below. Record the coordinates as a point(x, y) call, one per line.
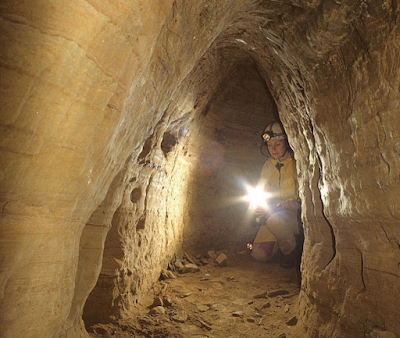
point(127, 127)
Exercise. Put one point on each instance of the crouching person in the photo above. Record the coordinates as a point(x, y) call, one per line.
point(281, 217)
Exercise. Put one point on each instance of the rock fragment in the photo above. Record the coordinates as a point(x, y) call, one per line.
point(187, 257)
point(278, 292)
point(167, 274)
point(158, 301)
point(158, 310)
point(237, 314)
point(202, 308)
point(203, 323)
point(263, 306)
point(261, 295)
point(189, 268)
point(178, 265)
point(203, 261)
point(222, 260)
point(180, 317)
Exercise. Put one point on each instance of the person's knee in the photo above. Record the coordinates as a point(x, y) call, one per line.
point(276, 217)
point(282, 222)
point(275, 222)
point(279, 224)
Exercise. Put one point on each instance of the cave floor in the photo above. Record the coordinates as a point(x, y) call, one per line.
point(244, 299)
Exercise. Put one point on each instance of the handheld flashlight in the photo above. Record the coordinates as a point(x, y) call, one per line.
point(257, 197)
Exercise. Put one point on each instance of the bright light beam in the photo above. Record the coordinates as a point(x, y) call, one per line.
point(257, 197)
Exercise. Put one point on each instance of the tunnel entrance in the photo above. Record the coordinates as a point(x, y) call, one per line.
point(228, 156)
point(240, 292)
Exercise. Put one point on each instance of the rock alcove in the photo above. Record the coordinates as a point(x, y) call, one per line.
point(126, 127)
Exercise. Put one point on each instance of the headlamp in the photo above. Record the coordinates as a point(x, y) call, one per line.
point(268, 135)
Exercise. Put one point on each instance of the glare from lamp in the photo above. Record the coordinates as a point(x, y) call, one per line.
point(257, 197)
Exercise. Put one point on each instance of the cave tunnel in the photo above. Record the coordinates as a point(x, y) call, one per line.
point(127, 132)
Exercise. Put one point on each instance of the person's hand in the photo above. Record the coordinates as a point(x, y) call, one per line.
point(288, 205)
point(259, 211)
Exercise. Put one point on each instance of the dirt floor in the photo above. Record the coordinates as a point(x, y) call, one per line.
point(245, 298)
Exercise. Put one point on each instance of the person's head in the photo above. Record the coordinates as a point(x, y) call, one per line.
point(276, 139)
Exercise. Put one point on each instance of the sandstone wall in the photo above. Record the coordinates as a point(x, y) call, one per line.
point(103, 124)
point(341, 99)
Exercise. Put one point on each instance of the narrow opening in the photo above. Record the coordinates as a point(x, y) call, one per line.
point(99, 305)
point(230, 154)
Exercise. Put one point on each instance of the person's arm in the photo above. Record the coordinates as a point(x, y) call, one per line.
point(293, 204)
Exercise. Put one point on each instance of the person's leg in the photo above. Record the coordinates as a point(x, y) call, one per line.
point(284, 225)
point(264, 251)
point(264, 246)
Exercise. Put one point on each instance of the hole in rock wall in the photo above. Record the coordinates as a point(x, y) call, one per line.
point(140, 224)
point(146, 148)
point(136, 194)
point(168, 142)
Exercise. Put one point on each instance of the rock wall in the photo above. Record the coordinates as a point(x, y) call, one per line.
point(108, 109)
point(340, 105)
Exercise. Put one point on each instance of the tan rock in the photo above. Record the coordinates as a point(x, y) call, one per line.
point(158, 310)
point(222, 260)
point(125, 124)
point(180, 317)
point(189, 268)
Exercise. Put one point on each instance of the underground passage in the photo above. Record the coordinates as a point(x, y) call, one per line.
point(131, 132)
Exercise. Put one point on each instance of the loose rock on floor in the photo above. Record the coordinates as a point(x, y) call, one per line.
point(243, 299)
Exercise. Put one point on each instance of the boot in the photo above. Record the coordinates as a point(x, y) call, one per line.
point(289, 261)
